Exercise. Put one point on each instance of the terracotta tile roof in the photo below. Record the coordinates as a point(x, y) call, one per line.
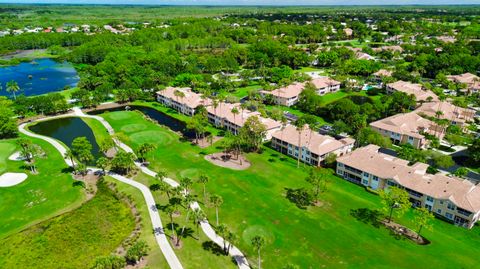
point(470, 79)
point(191, 98)
point(315, 142)
point(224, 110)
point(462, 193)
point(323, 82)
point(383, 73)
point(411, 88)
point(289, 91)
point(449, 111)
point(410, 124)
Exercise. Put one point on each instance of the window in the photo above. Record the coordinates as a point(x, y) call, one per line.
point(450, 206)
point(365, 174)
point(375, 178)
point(365, 182)
point(439, 211)
point(448, 215)
point(340, 164)
point(429, 199)
point(441, 202)
point(391, 183)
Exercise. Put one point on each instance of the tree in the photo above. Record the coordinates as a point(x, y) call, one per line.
point(258, 242)
point(123, 162)
point(330, 159)
point(106, 144)
point(216, 201)
point(8, 124)
point(187, 200)
point(300, 125)
point(29, 152)
point(203, 179)
point(70, 156)
point(186, 183)
point(474, 150)
point(198, 217)
point(444, 161)
point(231, 239)
point(366, 136)
point(103, 163)
point(253, 132)
point(423, 219)
point(394, 198)
point(137, 251)
point(461, 172)
point(12, 86)
point(82, 150)
point(170, 210)
point(144, 149)
point(318, 178)
point(109, 262)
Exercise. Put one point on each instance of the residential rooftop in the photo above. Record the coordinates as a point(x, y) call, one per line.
point(413, 88)
point(410, 124)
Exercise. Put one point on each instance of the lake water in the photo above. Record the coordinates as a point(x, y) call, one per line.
point(66, 130)
point(161, 118)
point(39, 77)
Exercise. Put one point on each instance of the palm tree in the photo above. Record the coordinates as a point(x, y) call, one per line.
point(170, 210)
point(12, 86)
point(222, 230)
point(235, 113)
point(216, 201)
point(258, 242)
point(203, 179)
point(198, 217)
point(186, 183)
point(231, 238)
point(179, 94)
point(69, 155)
point(300, 125)
point(164, 187)
point(187, 200)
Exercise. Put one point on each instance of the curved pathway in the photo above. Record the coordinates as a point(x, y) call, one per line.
point(162, 241)
point(239, 257)
point(160, 236)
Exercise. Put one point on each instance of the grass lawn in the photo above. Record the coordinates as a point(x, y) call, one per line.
point(296, 112)
point(243, 91)
point(99, 131)
point(194, 253)
point(39, 197)
point(325, 236)
point(72, 240)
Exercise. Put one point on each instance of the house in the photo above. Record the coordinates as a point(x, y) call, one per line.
point(348, 32)
point(417, 90)
point(314, 146)
point(184, 100)
point(389, 48)
point(446, 39)
point(407, 128)
point(325, 85)
point(472, 81)
point(450, 198)
point(286, 96)
point(456, 115)
point(364, 56)
point(222, 116)
point(380, 74)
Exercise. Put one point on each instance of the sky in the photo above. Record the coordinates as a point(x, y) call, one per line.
point(253, 2)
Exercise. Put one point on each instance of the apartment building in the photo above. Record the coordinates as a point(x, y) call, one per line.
point(456, 115)
point(286, 96)
point(409, 88)
point(223, 116)
point(380, 74)
point(314, 147)
point(472, 81)
point(451, 198)
point(325, 85)
point(407, 128)
point(184, 100)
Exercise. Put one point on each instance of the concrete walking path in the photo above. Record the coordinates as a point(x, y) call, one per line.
point(162, 240)
point(160, 236)
point(239, 257)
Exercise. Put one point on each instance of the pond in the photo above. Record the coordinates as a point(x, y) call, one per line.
point(39, 77)
point(162, 118)
point(66, 130)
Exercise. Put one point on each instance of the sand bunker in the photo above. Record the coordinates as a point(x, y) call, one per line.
point(228, 161)
point(12, 179)
point(16, 157)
